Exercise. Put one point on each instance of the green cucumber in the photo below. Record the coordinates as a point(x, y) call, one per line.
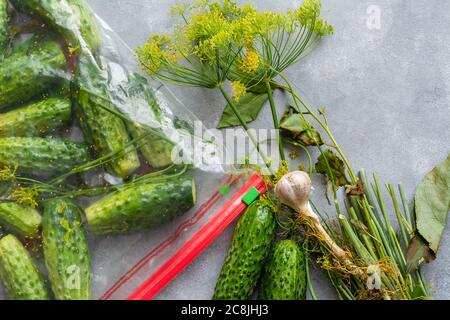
point(73, 19)
point(36, 119)
point(156, 150)
point(105, 131)
point(4, 34)
point(21, 220)
point(142, 205)
point(66, 250)
point(24, 76)
point(42, 157)
point(249, 249)
point(284, 276)
point(20, 276)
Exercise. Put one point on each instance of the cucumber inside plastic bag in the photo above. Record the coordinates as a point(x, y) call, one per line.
point(130, 142)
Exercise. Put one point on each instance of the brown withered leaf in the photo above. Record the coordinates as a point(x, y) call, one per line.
point(418, 252)
point(299, 129)
point(355, 190)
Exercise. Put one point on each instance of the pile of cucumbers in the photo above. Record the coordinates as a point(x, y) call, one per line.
point(40, 97)
point(255, 264)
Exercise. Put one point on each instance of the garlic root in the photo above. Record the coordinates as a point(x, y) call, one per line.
point(294, 190)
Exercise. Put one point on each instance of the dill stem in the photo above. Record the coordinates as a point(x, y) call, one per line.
point(276, 123)
point(245, 126)
point(308, 154)
point(322, 124)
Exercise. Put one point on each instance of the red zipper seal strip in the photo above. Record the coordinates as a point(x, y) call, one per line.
point(166, 243)
point(198, 242)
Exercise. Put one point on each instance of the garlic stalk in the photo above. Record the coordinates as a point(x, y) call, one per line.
point(294, 190)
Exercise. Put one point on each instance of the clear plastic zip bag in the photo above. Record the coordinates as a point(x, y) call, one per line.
point(78, 122)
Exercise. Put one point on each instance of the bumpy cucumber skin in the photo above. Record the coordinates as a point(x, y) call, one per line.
point(4, 35)
point(42, 157)
point(37, 119)
point(73, 19)
point(20, 220)
point(24, 76)
point(156, 150)
point(20, 276)
point(141, 206)
point(249, 249)
point(66, 250)
point(102, 129)
point(284, 276)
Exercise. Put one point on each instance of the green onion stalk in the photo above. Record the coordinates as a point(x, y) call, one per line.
point(367, 232)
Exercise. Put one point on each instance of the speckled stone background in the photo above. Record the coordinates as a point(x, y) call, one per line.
point(385, 88)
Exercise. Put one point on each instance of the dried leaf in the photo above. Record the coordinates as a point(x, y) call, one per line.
point(356, 190)
point(418, 252)
point(333, 168)
point(432, 204)
point(301, 130)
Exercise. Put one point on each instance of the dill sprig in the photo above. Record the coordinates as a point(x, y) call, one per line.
point(219, 41)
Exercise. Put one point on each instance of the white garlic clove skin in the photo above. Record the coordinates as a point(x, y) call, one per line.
point(294, 190)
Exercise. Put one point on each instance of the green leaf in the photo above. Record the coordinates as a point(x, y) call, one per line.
point(259, 88)
point(333, 168)
point(432, 204)
point(301, 130)
point(418, 293)
point(262, 87)
point(249, 106)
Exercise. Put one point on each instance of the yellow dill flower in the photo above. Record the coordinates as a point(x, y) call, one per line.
point(179, 9)
point(209, 33)
point(250, 62)
point(322, 28)
point(268, 21)
point(156, 53)
point(66, 225)
point(281, 172)
point(246, 27)
point(26, 196)
point(238, 89)
point(205, 25)
point(61, 208)
point(7, 173)
point(308, 14)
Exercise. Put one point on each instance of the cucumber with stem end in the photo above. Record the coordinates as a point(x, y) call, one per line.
point(26, 75)
point(73, 19)
point(249, 249)
point(23, 221)
point(66, 251)
point(105, 131)
point(42, 157)
point(284, 276)
point(143, 205)
point(155, 149)
point(20, 276)
point(36, 119)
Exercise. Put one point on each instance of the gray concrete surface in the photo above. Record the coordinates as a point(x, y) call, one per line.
point(385, 88)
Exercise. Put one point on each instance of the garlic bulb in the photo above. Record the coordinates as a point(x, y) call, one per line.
point(294, 190)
